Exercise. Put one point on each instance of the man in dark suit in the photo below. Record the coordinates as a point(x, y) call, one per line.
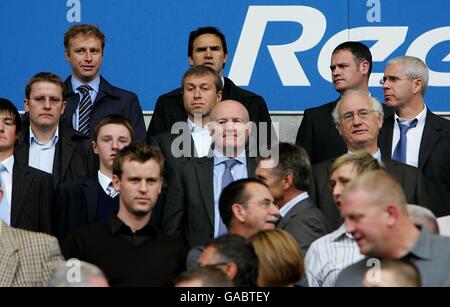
point(427, 140)
point(89, 96)
point(191, 211)
point(28, 195)
point(358, 119)
point(207, 46)
point(44, 143)
point(91, 199)
point(287, 174)
point(351, 65)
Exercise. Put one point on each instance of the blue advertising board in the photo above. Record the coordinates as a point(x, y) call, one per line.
point(279, 49)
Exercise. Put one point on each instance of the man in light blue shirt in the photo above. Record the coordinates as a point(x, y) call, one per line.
point(46, 145)
point(191, 210)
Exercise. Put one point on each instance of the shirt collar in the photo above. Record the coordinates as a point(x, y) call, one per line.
point(94, 84)
point(376, 155)
point(420, 117)
point(117, 226)
point(288, 206)
point(53, 141)
point(422, 247)
point(220, 158)
point(103, 180)
point(193, 126)
point(9, 163)
point(340, 233)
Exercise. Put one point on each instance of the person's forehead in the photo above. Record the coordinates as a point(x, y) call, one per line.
point(208, 38)
point(146, 169)
point(203, 78)
point(354, 102)
point(258, 191)
point(114, 130)
point(343, 56)
point(230, 110)
point(347, 170)
point(46, 85)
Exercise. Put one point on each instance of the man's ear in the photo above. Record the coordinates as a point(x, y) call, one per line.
point(231, 270)
point(94, 147)
point(191, 61)
point(116, 182)
point(238, 212)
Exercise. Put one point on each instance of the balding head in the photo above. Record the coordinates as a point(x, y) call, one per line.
point(230, 127)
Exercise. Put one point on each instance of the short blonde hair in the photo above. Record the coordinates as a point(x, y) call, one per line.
point(280, 258)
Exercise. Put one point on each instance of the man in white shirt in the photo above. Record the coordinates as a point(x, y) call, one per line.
point(414, 135)
point(28, 192)
point(330, 254)
point(92, 199)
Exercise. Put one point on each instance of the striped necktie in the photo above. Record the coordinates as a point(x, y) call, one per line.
point(85, 108)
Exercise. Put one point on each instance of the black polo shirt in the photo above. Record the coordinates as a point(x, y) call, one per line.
point(147, 257)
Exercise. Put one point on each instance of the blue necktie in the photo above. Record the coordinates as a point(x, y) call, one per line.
point(85, 108)
point(4, 212)
point(400, 150)
point(227, 178)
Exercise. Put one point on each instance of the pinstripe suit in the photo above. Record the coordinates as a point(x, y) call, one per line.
point(27, 259)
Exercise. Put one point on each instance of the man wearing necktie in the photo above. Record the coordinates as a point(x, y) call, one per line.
point(89, 96)
point(358, 118)
point(191, 211)
point(414, 135)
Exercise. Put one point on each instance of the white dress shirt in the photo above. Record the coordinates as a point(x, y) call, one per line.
point(104, 181)
point(288, 206)
point(202, 138)
point(414, 137)
point(7, 180)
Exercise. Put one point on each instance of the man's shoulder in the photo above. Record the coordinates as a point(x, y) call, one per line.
point(34, 241)
point(114, 90)
point(352, 276)
point(322, 109)
point(239, 92)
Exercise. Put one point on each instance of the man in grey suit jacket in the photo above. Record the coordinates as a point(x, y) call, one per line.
point(191, 210)
point(287, 173)
point(428, 142)
point(358, 118)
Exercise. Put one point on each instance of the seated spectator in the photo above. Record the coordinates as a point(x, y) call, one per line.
point(76, 273)
point(207, 276)
point(236, 257)
point(280, 258)
point(126, 247)
point(393, 273)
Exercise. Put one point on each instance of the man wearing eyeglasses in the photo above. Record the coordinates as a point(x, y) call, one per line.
point(414, 135)
point(191, 210)
point(351, 65)
point(358, 119)
point(45, 144)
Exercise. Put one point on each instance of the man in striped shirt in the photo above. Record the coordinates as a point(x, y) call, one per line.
point(330, 254)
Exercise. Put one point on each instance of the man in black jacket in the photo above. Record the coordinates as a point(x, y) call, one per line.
point(207, 46)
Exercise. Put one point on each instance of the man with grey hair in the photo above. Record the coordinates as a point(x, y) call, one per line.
point(76, 273)
point(423, 217)
point(414, 135)
point(358, 118)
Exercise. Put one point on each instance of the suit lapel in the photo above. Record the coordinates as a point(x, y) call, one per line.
point(20, 184)
point(90, 193)
point(385, 138)
point(251, 167)
point(8, 256)
point(204, 169)
point(72, 101)
point(65, 149)
point(431, 135)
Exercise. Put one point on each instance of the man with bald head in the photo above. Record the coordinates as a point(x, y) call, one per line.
point(191, 211)
point(358, 118)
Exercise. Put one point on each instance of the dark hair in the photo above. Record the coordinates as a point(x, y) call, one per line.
point(292, 159)
point(115, 119)
point(235, 192)
point(7, 107)
point(209, 275)
point(200, 71)
point(360, 52)
point(206, 30)
point(237, 249)
point(44, 77)
point(85, 29)
point(137, 151)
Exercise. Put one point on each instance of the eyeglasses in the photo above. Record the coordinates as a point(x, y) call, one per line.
point(265, 204)
point(362, 114)
point(392, 79)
